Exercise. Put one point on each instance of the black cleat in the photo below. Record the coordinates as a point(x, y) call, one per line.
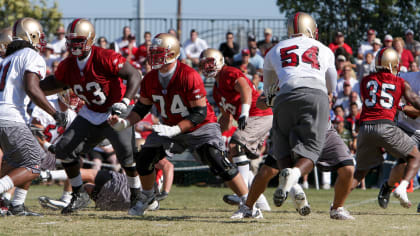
point(135, 194)
point(232, 199)
point(78, 201)
point(384, 194)
point(21, 210)
point(162, 196)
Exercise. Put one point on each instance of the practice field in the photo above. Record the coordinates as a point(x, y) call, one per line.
point(200, 211)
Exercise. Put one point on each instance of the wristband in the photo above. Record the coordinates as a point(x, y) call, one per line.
point(126, 101)
point(245, 109)
point(46, 145)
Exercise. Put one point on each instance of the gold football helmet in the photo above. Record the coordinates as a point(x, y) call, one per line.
point(211, 62)
point(165, 49)
point(5, 39)
point(387, 58)
point(69, 98)
point(30, 30)
point(302, 24)
point(80, 36)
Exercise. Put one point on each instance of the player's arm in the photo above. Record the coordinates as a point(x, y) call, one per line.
point(198, 113)
point(225, 121)
point(51, 86)
point(410, 96)
point(411, 112)
point(139, 111)
point(245, 90)
point(331, 79)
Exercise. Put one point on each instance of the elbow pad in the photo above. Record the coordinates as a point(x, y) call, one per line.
point(197, 114)
point(141, 109)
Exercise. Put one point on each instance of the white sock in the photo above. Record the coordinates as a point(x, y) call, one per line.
point(244, 197)
point(250, 179)
point(297, 172)
point(7, 196)
point(403, 184)
point(19, 196)
point(133, 182)
point(76, 181)
point(66, 197)
point(58, 175)
point(242, 162)
point(326, 177)
point(6, 184)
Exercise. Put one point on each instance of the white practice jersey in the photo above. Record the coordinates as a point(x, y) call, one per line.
point(413, 125)
point(300, 62)
point(51, 131)
point(13, 98)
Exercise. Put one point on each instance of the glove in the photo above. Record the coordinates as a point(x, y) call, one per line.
point(166, 130)
point(37, 131)
point(60, 118)
point(244, 116)
point(270, 95)
point(120, 107)
point(121, 124)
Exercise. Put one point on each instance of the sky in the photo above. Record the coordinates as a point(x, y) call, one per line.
point(167, 8)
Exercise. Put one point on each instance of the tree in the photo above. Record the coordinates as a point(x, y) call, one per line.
point(49, 17)
point(355, 17)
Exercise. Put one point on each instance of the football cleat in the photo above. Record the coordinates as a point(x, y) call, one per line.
point(299, 198)
point(52, 204)
point(401, 195)
point(287, 179)
point(78, 201)
point(162, 196)
point(143, 204)
point(134, 196)
point(232, 199)
point(21, 210)
point(245, 212)
point(340, 214)
point(383, 196)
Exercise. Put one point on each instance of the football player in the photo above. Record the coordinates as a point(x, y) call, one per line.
point(381, 93)
point(335, 155)
point(303, 70)
point(178, 92)
point(5, 39)
point(409, 122)
point(21, 71)
point(236, 97)
point(96, 76)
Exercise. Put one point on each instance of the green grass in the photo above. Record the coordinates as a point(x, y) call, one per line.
point(200, 211)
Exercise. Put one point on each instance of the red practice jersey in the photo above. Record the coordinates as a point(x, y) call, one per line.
point(381, 93)
point(98, 84)
point(228, 99)
point(173, 102)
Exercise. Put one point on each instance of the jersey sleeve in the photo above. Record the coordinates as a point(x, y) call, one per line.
point(35, 63)
point(195, 87)
point(112, 61)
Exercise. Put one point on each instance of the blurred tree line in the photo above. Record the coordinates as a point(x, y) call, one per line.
point(355, 17)
point(49, 16)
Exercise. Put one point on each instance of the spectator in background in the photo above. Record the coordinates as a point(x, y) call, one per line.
point(247, 68)
point(275, 40)
point(343, 132)
point(182, 57)
point(367, 45)
point(405, 55)
point(352, 121)
point(339, 42)
point(347, 76)
point(412, 45)
point(193, 47)
point(376, 46)
point(54, 67)
point(130, 50)
point(338, 111)
point(414, 67)
point(266, 44)
point(256, 59)
point(49, 56)
point(343, 98)
point(229, 48)
point(59, 44)
point(366, 67)
point(102, 42)
point(388, 41)
point(340, 62)
point(124, 40)
point(142, 49)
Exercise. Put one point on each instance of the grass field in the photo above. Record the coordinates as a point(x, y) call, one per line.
point(200, 211)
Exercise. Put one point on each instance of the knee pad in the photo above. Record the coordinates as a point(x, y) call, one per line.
point(240, 159)
point(217, 161)
point(147, 158)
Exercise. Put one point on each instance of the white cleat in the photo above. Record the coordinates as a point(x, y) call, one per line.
point(340, 214)
point(143, 204)
point(299, 198)
point(287, 179)
point(52, 204)
point(401, 195)
point(245, 212)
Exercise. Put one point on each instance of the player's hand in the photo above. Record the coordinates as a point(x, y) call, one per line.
point(270, 95)
point(120, 107)
point(166, 130)
point(242, 121)
point(118, 123)
point(410, 111)
point(60, 118)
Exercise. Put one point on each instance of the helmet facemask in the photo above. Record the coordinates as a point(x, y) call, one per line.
point(78, 45)
point(208, 66)
point(158, 57)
